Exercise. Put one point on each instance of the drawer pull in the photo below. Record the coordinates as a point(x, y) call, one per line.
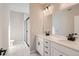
point(38, 43)
point(60, 55)
point(45, 46)
point(46, 42)
point(46, 52)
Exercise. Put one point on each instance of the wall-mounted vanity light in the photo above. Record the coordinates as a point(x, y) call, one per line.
point(45, 9)
point(48, 10)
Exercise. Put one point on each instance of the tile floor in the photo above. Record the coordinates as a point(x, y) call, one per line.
point(20, 50)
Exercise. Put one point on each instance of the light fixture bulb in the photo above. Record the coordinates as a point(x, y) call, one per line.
point(46, 9)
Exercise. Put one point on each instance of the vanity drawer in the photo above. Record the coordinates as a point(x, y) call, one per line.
point(65, 50)
point(47, 47)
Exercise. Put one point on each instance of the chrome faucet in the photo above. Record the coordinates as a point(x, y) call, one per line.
point(72, 37)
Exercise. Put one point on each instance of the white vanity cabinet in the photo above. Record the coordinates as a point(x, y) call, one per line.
point(56, 47)
point(43, 46)
point(61, 50)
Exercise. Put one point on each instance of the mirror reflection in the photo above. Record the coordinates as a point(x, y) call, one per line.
point(66, 21)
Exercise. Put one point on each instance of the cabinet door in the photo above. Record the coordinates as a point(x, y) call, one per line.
point(39, 45)
point(57, 53)
point(67, 51)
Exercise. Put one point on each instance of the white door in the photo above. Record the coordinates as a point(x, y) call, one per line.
point(27, 31)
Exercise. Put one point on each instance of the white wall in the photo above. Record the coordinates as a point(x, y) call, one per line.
point(4, 21)
point(5, 27)
point(16, 26)
point(36, 23)
point(1, 25)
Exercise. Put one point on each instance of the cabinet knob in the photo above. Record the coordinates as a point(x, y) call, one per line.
point(38, 43)
point(46, 52)
point(46, 42)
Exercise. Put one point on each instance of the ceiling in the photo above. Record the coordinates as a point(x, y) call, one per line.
point(19, 7)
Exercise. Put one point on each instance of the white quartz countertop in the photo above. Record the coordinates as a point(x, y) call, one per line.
point(62, 41)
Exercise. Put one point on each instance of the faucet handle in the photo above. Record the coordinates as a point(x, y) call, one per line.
point(75, 34)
